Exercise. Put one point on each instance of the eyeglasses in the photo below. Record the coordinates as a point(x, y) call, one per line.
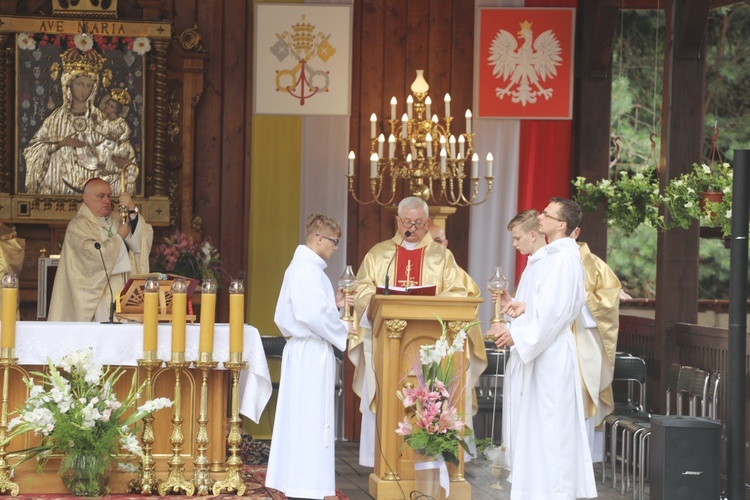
point(407, 223)
point(335, 241)
point(544, 213)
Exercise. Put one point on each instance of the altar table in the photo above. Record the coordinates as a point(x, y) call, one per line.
point(122, 345)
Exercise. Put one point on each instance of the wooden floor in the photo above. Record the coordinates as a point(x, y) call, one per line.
point(352, 479)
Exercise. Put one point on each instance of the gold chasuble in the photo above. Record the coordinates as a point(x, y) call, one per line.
point(428, 263)
point(597, 340)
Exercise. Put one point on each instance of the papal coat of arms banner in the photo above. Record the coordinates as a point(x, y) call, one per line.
point(302, 59)
point(525, 63)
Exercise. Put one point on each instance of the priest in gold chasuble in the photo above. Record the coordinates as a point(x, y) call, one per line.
point(418, 261)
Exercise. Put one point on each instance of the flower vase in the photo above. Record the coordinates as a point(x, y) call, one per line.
point(85, 475)
point(426, 478)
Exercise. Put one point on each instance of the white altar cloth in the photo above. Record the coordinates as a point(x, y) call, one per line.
point(122, 344)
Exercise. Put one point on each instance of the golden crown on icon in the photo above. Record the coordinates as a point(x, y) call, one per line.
point(73, 60)
point(120, 95)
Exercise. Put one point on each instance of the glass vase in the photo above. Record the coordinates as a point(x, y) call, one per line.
point(426, 478)
point(85, 475)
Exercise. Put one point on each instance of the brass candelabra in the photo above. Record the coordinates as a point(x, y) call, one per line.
point(146, 482)
point(176, 481)
point(201, 478)
point(7, 359)
point(425, 153)
point(233, 480)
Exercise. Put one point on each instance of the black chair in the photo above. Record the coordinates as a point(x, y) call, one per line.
point(629, 388)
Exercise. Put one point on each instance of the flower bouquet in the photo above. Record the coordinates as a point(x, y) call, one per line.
point(181, 254)
point(433, 426)
point(78, 415)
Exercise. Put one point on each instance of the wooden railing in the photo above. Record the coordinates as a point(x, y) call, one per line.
point(699, 346)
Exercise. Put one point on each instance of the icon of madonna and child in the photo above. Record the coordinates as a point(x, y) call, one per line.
point(62, 145)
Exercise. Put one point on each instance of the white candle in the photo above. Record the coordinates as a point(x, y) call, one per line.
point(435, 119)
point(452, 143)
point(404, 123)
point(409, 106)
point(351, 163)
point(468, 121)
point(428, 140)
point(428, 106)
point(391, 146)
point(443, 155)
point(447, 105)
point(393, 107)
point(381, 142)
point(489, 164)
point(408, 160)
point(373, 165)
point(461, 143)
point(373, 123)
point(442, 142)
point(474, 166)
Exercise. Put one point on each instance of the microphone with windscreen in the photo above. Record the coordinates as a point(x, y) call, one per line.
point(387, 269)
point(98, 246)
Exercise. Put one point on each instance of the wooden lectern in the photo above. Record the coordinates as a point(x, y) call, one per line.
point(401, 324)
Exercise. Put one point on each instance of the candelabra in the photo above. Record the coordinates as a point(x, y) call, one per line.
point(7, 359)
point(233, 480)
point(176, 481)
point(146, 482)
point(425, 153)
point(201, 478)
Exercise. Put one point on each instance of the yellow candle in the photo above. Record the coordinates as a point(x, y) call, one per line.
point(236, 321)
point(10, 299)
point(150, 320)
point(179, 310)
point(208, 318)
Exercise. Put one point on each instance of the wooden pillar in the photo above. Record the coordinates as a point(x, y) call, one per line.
point(592, 102)
point(682, 133)
point(595, 30)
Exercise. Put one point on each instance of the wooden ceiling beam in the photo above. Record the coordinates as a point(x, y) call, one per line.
point(659, 4)
point(600, 21)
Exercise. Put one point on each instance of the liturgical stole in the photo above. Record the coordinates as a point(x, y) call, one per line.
point(409, 267)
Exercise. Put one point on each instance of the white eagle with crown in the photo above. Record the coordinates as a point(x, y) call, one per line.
point(526, 67)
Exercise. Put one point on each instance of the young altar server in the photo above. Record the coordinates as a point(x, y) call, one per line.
point(302, 459)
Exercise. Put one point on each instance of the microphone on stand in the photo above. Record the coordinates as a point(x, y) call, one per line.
point(387, 269)
point(111, 321)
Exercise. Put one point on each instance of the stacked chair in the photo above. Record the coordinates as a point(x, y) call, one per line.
point(630, 374)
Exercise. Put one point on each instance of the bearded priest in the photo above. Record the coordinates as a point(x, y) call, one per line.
point(417, 261)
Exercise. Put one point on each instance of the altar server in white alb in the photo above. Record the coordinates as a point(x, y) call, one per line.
point(551, 456)
point(302, 460)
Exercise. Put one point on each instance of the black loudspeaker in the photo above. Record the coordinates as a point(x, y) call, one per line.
point(684, 458)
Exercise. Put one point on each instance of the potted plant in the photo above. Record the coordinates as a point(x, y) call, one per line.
point(699, 195)
point(630, 200)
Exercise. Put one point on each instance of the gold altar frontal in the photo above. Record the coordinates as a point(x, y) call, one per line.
point(30, 480)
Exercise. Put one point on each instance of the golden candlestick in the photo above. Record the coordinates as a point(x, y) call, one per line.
point(201, 478)
point(497, 284)
point(7, 358)
point(176, 481)
point(233, 480)
point(348, 284)
point(146, 482)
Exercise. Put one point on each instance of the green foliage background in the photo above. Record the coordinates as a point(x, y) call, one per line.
point(638, 64)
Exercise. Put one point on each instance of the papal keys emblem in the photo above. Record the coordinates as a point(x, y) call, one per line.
point(302, 81)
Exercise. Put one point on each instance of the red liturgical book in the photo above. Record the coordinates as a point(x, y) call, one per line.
point(414, 290)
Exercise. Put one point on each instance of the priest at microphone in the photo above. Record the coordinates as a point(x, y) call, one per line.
point(408, 259)
point(81, 291)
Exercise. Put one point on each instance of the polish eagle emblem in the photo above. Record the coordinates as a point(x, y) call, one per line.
point(527, 67)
